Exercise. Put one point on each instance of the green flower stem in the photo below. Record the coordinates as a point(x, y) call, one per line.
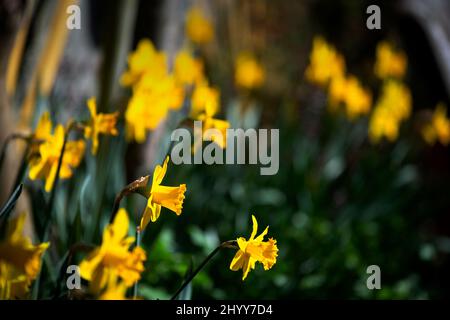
point(227, 244)
point(138, 243)
point(136, 186)
point(71, 126)
point(23, 168)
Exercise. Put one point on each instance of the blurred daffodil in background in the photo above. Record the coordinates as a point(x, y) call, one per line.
point(325, 63)
point(349, 92)
point(188, 69)
point(20, 260)
point(392, 107)
point(249, 73)
point(438, 129)
point(389, 62)
point(146, 59)
point(44, 165)
point(327, 69)
point(114, 258)
point(199, 28)
point(155, 91)
point(204, 96)
point(100, 123)
point(212, 129)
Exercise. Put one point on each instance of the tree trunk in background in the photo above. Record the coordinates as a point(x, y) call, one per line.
point(434, 18)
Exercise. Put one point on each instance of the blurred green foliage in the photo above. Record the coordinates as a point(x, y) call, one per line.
point(337, 205)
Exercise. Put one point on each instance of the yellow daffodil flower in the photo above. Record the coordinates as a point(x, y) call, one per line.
point(115, 290)
point(325, 63)
point(255, 250)
point(150, 104)
point(99, 123)
point(204, 97)
point(383, 124)
point(43, 129)
point(42, 133)
point(198, 28)
point(164, 91)
point(146, 59)
point(249, 73)
point(358, 100)
point(349, 92)
point(20, 261)
point(389, 63)
point(337, 91)
point(209, 122)
point(140, 117)
point(393, 106)
point(113, 258)
point(439, 127)
point(46, 164)
point(162, 196)
point(155, 91)
point(396, 97)
point(188, 70)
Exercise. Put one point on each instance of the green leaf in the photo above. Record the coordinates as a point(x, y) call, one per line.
point(11, 202)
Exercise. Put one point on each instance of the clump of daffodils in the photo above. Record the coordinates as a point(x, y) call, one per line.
point(327, 69)
point(254, 250)
point(394, 104)
point(438, 128)
point(391, 109)
point(47, 145)
point(155, 90)
point(20, 261)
